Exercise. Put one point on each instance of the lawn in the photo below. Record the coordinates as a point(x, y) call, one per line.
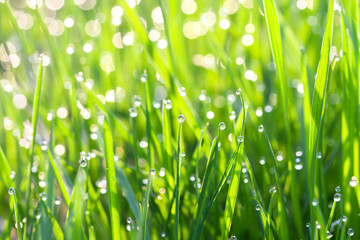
point(189, 119)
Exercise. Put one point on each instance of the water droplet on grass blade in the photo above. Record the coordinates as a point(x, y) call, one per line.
point(137, 101)
point(232, 115)
point(181, 118)
point(350, 232)
point(257, 207)
point(12, 175)
point(238, 91)
point(337, 189)
point(337, 197)
point(182, 91)
point(133, 112)
point(222, 126)
point(168, 104)
point(163, 235)
point(153, 172)
point(129, 220)
point(240, 139)
point(353, 182)
point(233, 238)
point(143, 77)
point(11, 191)
point(57, 201)
point(79, 76)
point(83, 162)
point(261, 128)
point(43, 196)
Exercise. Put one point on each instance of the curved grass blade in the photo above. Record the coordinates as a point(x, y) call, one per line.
point(73, 224)
point(177, 187)
point(16, 210)
point(34, 121)
point(273, 27)
point(234, 181)
point(60, 177)
point(145, 207)
point(282, 207)
point(56, 228)
point(129, 193)
point(5, 171)
point(111, 182)
point(205, 194)
point(317, 107)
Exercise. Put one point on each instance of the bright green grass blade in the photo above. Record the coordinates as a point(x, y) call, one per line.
point(56, 228)
point(273, 27)
point(317, 107)
point(167, 144)
point(59, 175)
point(234, 181)
point(129, 192)
point(282, 207)
point(331, 216)
point(12, 192)
point(111, 182)
point(73, 224)
point(34, 121)
point(177, 187)
point(232, 194)
point(205, 194)
point(148, 122)
point(5, 172)
point(145, 206)
point(92, 233)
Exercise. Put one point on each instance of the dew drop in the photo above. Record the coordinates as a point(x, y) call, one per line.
point(137, 101)
point(350, 232)
point(12, 175)
point(240, 139)
point(238, 91)
point(315, 202)
point(328, 235)
point(344, 219)
point(133, 112)
point(38, 213)
point(257, 207)
point(337, 197)
point(298, 167)
point(181, 118)
point(83, 162)
point(261, 128)
point(43, 196)
point(168, 104)
point(11, 191)
point(153, 172)
point(319, 155)
point(182, 155)
point(232, 115)
point(337, 189)
point(143, 77)
point(43, 145)
point(222, 126)
point(233, 238)
point(307, 224)
point(79, 76)
point(163, 235)
point(57, 201)
point(353, 182)
point(128, 220)
point(182, 91)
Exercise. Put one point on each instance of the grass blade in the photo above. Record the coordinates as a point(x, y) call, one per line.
point(205, 194)
point(56, 228)
point(177, 187)
point(17, 216)
point(317, 107)
point(34, 121)
point(73, 224)
point(111, 182)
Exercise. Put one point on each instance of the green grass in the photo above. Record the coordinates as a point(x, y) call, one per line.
point(96, 144)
